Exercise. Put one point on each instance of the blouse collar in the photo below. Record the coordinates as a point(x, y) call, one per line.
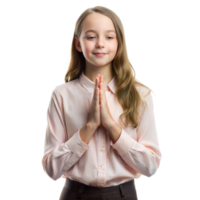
point(89, 85)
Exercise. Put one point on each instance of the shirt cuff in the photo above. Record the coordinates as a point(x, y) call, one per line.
point(123, 144)
point(76, 145)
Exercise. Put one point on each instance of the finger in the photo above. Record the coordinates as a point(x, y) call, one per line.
point(99, 98)
point(100, 87)
point(100, 93)
point(98, 77)
point(97, 90)
point(100, 83)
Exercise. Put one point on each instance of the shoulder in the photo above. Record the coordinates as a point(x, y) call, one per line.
point(63, 88)
point(143, 91)
point(66, 86)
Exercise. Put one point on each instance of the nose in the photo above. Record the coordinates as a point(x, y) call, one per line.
point(100, 43)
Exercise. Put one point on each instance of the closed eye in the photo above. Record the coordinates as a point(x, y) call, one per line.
point(94, 37)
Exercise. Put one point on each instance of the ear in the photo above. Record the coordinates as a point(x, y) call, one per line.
point(77, 44)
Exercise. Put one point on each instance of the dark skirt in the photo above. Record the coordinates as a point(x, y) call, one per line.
point(74, 190)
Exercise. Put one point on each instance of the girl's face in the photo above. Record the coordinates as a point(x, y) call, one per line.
point(98, 36)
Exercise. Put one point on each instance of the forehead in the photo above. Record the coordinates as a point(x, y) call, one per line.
point(98, 23)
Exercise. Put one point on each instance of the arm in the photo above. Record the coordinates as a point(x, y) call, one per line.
point(115, 131)
point(87, 132)
point(60, 152)
point(142, 155)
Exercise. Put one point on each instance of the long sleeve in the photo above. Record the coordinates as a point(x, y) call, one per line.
point(60, 152)
point(99, 163)
point(142, 155)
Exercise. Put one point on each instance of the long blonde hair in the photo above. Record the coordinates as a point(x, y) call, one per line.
point(126, 93)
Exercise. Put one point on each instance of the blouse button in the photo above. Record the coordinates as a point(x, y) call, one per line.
point(69, 164)
point(82, 150)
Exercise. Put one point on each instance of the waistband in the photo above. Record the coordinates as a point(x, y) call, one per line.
point(120, 189)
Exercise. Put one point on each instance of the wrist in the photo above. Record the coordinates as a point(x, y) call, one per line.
point(91, 126)
point(110, 125)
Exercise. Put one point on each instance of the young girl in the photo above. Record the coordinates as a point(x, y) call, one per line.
point(87, 141)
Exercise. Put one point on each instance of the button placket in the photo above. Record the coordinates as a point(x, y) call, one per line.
point(101, 149)
point(82, 150)
point(102, 157)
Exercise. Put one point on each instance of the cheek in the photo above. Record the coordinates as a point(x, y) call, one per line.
point(113, 51)
point(88, 46)
point(113, 47)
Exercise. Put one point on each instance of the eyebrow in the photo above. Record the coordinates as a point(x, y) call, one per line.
point(105, 31)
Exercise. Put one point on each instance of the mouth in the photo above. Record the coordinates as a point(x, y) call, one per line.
point(100, 54)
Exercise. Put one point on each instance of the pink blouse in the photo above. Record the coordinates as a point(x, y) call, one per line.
point(101, 163)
